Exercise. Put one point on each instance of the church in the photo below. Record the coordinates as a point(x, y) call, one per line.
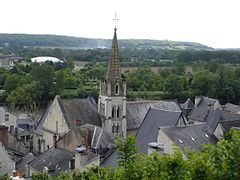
point(112, 113)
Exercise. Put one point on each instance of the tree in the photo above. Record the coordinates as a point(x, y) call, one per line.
point(203, 83)
point(126, 154)
point(44, 74)
point(173, 85)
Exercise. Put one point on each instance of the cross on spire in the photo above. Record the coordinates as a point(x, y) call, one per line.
point(115, 19)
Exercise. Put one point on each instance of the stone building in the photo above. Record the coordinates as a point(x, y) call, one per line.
point(112, 96)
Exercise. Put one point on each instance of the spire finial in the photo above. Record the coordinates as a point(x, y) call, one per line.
point(115, 19)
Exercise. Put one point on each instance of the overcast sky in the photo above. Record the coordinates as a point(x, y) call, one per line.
point(215, 23)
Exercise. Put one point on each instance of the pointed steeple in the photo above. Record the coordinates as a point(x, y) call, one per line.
point(113, 71)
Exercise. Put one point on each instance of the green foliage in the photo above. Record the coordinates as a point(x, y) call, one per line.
point(211, 162)
point(5, 177)
point(203, 83)
point(173, 85)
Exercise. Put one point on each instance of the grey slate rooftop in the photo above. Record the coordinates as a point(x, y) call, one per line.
point(148, 131)
point(20, 165)
point(53, 160)
point(226, 119)
point(200, 111)
point(231, 108)
point(80, 109)
point(191, 136)
point(137, 110)
point(187, 107)
point(84, 110)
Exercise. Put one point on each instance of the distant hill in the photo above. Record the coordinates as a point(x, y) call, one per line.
point(30, 40)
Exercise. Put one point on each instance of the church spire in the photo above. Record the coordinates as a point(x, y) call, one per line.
point(113, 71)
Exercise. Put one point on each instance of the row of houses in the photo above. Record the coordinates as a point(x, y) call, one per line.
point(157, 126)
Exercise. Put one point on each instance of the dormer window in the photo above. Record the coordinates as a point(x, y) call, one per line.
point(117, 89)
point(6, 117)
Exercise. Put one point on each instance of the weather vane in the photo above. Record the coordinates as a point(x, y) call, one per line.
point(115, 19)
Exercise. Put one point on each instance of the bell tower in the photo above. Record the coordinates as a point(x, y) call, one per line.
point(112, 95)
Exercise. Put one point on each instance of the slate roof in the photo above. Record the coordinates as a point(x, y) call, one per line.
point(187, 107)
point(54, 160)
point(98, 138)
point(188, 104)
point(38, 129)
point(113, 70)
point(231, 108)
point(21, 165)
point(226, 120)
point(84, 110)
point(110, 159)
point(137, 110)
point(148, 131)
point(80, 109)
point(101, 138)
point(200, 111)
point(191, 136)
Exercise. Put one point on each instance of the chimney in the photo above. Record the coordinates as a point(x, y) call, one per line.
point(4, 135)
point(85, 137)
point(155, 147)
point(16, 132)
point(80, 157)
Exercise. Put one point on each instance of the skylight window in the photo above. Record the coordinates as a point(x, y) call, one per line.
point(193, 139)
point(179, 140)
point(206, 135)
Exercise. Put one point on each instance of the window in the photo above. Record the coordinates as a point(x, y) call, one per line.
point(28, 137)
point(118, 112)
point(113, 112)
point(116, 90)
point(112, 128)
point(6, 117)
point(117, 128)
point(22, 138)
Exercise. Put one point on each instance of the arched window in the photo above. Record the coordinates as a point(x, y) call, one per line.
point(113, 128)
point(113, 112)
point(117, 89)
point(117, 128)
point(118, 112)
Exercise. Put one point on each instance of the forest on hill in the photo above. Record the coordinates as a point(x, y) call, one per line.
point(54, 41)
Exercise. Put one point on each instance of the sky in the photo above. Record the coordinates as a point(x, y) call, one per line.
point(215, 23)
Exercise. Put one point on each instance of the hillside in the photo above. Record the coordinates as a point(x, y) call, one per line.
point(30, 40)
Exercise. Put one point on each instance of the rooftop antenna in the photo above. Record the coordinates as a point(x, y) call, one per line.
point(115, 19)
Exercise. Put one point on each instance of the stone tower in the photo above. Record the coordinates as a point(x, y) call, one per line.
point(112, 96)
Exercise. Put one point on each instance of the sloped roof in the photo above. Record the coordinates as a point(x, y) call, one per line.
point(38, 129)
point(101, 138)
point(226, 119)
point(54, 160)
point(137, 110)
point(201, 110)
point(80, 109)
point(97, 137)
point(192, 136)
point(231, 108)
point(110, 160)
point(84, 110)
point(148, 130)
point(20, 165)
point(113, 70)
point(188, 104)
